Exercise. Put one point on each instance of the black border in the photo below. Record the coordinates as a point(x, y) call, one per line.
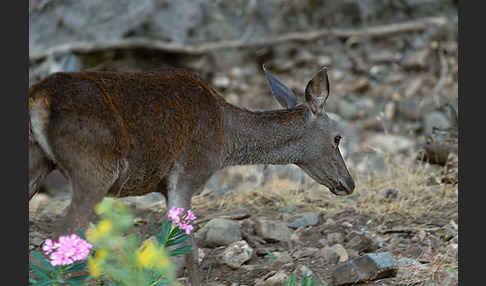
point(14, 118)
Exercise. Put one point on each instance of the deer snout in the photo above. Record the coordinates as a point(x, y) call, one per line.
point(347, 185)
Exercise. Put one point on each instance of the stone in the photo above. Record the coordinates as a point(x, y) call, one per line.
point(272, 230)
point(330, 255)
point(334, 254)
point(236, 254)
point(37, 203)
point(142, 206)
point(369, 267)
point(221, 81)
point(218, 232)
point(363, 243)
point(410, 108)
point(201, 255)
point(416, 60)
point(305, 252)
point(389, 194)
point(335, 237)
point(305, 271)
point(347, 109)
point(435, 119)
point(389, 143)
point(281, 260)
point(277, 279)
point(304, 219)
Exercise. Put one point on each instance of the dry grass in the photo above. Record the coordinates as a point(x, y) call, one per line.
point(415, 198)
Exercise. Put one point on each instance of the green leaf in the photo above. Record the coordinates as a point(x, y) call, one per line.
point(46, 283)
point(76, 267)
point(176, 232)
point(292, 280)
point(177, 240)
point(39, 272)
point(41, 259)
point(80, 233)
point(181, 250)
point(77, 280)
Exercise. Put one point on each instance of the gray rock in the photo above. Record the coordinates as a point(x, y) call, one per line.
point(363, 242)
point(416, 60)
point(435, 119)
point(276, 280)
point(219, 232)
point(305, 271)
point(272, 230)
point(37, 203)
point(236, 254)
point(334, 254)
point(305, 252)
point(389, 143)
point(388, 194)
point(366, 163)
point(410, 108)
point(335, 237)
point(288, 209)
point(146, 204)
point(347, 109)
point(369, 267)
point(304, 219)
point(282, 259)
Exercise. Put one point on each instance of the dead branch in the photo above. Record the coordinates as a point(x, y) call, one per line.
point(172, 47)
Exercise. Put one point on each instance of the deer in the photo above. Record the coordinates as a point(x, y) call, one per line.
point(131, 133)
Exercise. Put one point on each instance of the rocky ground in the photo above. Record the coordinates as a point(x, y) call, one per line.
point(395, 97)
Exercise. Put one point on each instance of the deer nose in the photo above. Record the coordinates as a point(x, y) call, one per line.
point(347, 185)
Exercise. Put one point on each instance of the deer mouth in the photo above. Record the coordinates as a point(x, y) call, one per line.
point(338, 187)
point(341, 189)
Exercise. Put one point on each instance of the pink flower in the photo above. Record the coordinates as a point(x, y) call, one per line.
point(188, 228)
point(190, 216)
point(48, 246)
point(174, 214)
point(69, 249)
point(183, 223)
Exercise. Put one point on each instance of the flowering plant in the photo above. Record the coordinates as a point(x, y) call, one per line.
point(176, 230)
point(63, 262)
point(121, 257)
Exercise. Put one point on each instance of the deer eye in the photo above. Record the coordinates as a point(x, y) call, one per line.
point(337, 139)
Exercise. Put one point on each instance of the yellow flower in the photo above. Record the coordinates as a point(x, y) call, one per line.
point(94, 264)
point(101, 230)
point(105, 206)
point(163, 261)
point(147, 254)
point(151, 256)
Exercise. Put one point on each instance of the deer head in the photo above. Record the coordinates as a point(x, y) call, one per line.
point(321, 158)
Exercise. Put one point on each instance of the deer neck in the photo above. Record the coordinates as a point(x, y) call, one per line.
point(266, 137)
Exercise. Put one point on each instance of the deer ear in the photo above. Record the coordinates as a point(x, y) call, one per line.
point(317, 91)
point(282, 93)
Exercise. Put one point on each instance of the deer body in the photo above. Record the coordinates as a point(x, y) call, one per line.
point(134, 133)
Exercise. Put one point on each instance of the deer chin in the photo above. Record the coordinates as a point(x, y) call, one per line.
point(340, 191)
point(335, 187)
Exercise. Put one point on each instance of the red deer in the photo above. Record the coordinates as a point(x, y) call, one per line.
point(128, 134)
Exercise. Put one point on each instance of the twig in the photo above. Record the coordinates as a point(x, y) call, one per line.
point(443, 74)
point(132, 43)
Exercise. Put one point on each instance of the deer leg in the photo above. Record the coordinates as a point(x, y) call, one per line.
point(89, 188)
point(179, 195)
point(39, 167)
